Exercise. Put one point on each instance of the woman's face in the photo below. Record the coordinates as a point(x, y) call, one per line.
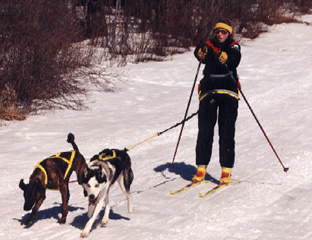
point(221, 34)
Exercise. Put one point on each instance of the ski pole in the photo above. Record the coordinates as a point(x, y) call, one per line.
point(185, 115)
point(265, 135)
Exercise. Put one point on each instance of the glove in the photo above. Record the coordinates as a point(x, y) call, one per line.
point(198, 88)
point(222, 57)
point(239, 86)
point(202, 52)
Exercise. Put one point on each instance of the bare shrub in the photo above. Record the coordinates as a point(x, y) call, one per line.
point(37, 56)
point(173, 25)
point(8, 106)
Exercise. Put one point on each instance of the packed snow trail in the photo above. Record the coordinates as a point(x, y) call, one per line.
point(276, 75)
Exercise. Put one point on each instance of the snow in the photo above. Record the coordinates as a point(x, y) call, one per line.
point(276, 77)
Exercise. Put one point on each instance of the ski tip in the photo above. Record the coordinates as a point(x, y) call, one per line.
point(171, 192)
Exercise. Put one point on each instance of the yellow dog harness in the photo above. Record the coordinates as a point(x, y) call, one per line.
point(58, 155)
point(104, 157)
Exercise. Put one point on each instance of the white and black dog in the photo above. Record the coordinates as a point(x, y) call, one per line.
point(103, 170)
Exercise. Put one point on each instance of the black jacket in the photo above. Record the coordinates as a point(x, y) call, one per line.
point(213, 65)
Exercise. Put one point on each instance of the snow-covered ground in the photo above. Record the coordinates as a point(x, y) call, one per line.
point(276, 78)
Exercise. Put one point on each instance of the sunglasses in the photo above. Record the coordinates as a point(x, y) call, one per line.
point(217, 31)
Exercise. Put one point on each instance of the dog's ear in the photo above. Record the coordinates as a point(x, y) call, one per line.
point(22, 185)
point(85, 193)
point(102, 178)
point(100, 175)
point(95, 157)
point(85, 175)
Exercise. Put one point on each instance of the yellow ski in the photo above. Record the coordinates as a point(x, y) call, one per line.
point(217, 188)
point(188, 186)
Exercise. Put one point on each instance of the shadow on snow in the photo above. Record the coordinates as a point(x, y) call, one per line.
point(81, 220)
point(48, 213)
point(78, 222)
point(185, 171)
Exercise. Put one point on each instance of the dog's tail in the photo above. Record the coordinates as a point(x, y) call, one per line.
point(71, 139)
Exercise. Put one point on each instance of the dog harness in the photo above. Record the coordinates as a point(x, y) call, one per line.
point(58, 155)
point(107, 155)
point(103, 156)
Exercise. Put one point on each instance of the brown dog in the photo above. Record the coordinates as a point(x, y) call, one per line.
point(53, 173)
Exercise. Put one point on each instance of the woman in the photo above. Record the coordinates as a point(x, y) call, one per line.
point(218, 95)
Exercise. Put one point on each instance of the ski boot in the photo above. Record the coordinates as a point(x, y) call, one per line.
point(225, 176)
point(200, 174)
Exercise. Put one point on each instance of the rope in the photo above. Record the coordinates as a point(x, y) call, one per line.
point(160, 133)
point(177, 124)
point(145, 140)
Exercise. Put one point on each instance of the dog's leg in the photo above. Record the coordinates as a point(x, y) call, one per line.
point(35, 209)
point(126, 190)
point(107, 210)
point(65, 197)
point(130, 202)
point(85, 232)
point(91, 210)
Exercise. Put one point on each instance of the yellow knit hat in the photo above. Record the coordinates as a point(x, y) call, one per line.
point(224, 26)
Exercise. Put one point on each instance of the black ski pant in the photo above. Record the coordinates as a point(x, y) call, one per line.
point(224, 108)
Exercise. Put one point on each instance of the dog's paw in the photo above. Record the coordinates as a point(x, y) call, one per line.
point(84, 234)
point(104, 222)
point(62, 221)
point(27, 224)
point(130, 207)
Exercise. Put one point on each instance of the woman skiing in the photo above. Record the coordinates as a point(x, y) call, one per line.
point(218, 95)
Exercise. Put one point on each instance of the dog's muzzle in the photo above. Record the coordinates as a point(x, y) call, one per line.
point(92, 199)
point(28, 206)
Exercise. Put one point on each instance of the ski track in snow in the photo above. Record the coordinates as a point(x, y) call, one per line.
point(275, 73)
